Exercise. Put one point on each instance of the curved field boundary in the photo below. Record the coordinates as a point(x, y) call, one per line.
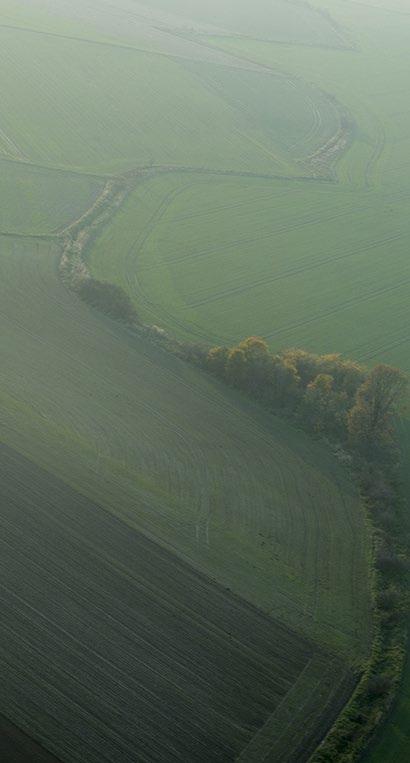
point(322, 681)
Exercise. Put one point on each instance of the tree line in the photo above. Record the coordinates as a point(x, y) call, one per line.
point(332, 395)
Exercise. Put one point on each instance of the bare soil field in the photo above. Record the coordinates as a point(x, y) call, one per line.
point(110, 646)
point(16, 747)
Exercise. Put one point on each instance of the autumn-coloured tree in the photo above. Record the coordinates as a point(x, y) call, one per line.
point(236, 368)
point(258, 367)
point(334, 395)
point(377, 400)
point(217, 359)
point(319, 401)
point(305, 363)
point(285, 381)
point(254, 347)
point(347, 374)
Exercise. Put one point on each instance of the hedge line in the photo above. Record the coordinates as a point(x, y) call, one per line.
point(378, 684)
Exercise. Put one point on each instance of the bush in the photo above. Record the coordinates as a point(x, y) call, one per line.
point(385, 518)
point(194, 353)
point(380, 492)
point(388, 562)
point(108, 298)
point(379, 685)
point(389, 599)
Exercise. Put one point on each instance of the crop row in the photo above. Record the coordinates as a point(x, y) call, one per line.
point(111, 646)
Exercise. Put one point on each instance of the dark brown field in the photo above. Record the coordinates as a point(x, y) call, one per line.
point(112, 649)
point(17, 747)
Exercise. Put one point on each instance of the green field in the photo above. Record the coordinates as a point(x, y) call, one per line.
point(301, 24)
point(314, 264)
point(273, 201)
point(106, 108)
point(222, 258)
point(153, 24)
point(39, 201)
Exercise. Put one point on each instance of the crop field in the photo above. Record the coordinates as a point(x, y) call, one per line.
point(17, 747)
point(184, 574)
point(154, 24)
point(138, 440)
point(210, 257)
point(180, 670)
point(295, 261)
point(134, 108)
point(302, 24)
point(38, 201)
point(206, 468)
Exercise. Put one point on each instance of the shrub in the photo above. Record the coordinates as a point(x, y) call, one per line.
point(194, 353)
point(388, 562)
point(385, 518)
point(108, 298)
point(217, 359)
point(389, 599)
point(379, 685)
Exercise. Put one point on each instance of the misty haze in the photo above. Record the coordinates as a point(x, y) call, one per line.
point(204, 343)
